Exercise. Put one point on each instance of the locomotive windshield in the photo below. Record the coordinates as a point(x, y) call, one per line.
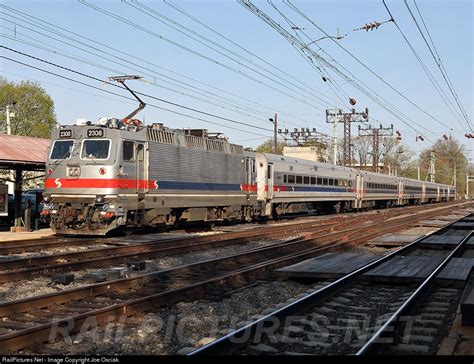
point(95, 149)
point(62, 149)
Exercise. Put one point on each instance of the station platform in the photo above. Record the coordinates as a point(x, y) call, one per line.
point(6, 236)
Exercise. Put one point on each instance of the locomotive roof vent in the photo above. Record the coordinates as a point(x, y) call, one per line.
point(83, 121)
point(157, 126)
point(201, 133)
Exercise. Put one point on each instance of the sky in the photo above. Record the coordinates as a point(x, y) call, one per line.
point(240, 76)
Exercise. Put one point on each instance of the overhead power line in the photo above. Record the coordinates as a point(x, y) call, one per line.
point(137, 92)
point(306, 51)
point(197, 53)
point(364, 65)
point(438, 61)
point(430, 76)
point(133, 59)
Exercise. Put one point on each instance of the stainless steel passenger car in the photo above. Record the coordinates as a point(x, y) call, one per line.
point(109, 176)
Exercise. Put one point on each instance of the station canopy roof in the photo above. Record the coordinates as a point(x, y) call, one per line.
point(27, 153)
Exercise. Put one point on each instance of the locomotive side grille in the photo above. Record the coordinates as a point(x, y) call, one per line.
point(215, 145)
point(194, 142)
point(161, 136)
point(236, 149)
point(172, 163)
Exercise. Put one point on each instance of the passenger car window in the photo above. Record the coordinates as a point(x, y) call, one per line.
point(291, 178)
point(61, 149)
point(306, 180)
point(313, 180)
point(299, 179)
point(320, 181)
point(95, 149)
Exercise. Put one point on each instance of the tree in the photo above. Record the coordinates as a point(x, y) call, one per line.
point(267, 147)
point(450, 155)
point(33, 109)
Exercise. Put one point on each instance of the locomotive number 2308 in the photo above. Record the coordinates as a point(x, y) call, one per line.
point(95, 133)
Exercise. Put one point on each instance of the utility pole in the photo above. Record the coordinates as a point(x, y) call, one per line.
point(337, 116)
point(376, 133)
point(431, 170)
point(454, 174)
point(9, 114)
point(334, 132)
point(469, 178)
point(9, 129)
point(274, 120)
point(275, 134)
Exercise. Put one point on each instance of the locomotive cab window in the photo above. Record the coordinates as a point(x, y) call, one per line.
point(128, 151)
point(95, 149)
point(61, 149)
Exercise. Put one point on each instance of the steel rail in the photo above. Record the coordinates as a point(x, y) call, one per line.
point(412, 297)
point(26, 337)
point(150, 250)
point(249, 330)
point(104, 287)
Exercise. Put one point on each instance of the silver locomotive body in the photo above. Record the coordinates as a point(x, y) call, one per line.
point(100, 178)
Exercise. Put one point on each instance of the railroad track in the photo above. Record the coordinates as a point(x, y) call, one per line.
point(46, 265)
point(26, 321)
point(38, 244)
point(349, 316)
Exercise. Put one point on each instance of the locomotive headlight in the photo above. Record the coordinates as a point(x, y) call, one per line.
point(54, 211)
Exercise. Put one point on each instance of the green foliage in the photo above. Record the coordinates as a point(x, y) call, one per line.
point(267, 147)
point(448, 153)
point(34, 109)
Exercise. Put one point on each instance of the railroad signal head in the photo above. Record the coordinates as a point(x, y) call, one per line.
point(352, 101)
point(445, 137)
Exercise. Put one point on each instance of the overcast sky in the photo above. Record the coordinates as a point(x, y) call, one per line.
point(247, 84)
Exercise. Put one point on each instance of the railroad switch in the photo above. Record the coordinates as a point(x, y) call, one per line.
point(63, 278)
